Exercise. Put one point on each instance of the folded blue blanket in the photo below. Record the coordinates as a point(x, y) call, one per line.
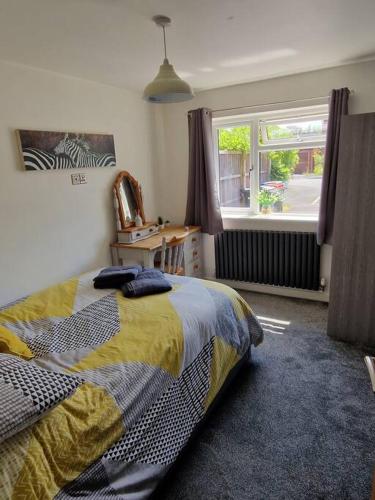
point(149, 273)
point(119, 269)
point(142, 287)
point(116, 276)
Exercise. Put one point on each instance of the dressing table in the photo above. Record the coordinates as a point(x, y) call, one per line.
point(141, 244)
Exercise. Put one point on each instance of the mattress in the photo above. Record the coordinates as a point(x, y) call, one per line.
point(148, 368)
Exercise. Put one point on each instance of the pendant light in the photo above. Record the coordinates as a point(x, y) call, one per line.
point(167, 86)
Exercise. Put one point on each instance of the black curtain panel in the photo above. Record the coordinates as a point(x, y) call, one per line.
point(203, 207)
point(338, 107)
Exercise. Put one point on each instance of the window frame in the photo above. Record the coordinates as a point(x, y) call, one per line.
point(254, 120)
point(306, 139)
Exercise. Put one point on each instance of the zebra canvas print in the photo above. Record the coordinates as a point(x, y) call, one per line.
point(56, 150)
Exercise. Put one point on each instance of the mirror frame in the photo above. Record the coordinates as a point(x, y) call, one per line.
point(138, 198)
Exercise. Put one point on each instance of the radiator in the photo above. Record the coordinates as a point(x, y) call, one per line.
point(290, 259)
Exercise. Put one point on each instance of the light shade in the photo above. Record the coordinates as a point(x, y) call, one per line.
point(167, 86)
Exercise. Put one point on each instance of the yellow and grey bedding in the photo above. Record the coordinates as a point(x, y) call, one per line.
point(146, 371)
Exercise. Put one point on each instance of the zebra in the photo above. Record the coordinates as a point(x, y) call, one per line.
point(79, 152)
point(37, 159)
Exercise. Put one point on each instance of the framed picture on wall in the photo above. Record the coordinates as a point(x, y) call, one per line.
point(57, 150)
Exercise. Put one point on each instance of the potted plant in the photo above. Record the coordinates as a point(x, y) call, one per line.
point(266, 200)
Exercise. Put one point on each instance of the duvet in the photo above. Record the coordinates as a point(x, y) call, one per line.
point(147, 371)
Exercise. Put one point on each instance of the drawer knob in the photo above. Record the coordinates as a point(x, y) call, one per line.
point(195, 253)
point(196, 267)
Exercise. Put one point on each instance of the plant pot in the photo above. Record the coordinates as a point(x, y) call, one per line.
point(266, 210)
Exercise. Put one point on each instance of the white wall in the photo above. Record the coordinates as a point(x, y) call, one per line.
point(50, 229)
point(173, 157)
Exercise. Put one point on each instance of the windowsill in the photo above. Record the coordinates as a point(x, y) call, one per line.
point(271, 222)
point(271, 217)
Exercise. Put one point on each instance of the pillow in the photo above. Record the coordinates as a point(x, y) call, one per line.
point(11, 344)
point(28, 392)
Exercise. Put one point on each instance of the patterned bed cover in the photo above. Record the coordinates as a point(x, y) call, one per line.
point(149, 367)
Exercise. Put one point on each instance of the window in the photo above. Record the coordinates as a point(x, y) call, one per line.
point(271, 163)
point(234, 165)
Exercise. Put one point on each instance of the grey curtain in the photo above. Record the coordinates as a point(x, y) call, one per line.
point(203, 207)
point(337, 108)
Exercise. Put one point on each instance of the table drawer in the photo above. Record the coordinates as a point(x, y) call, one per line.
point(193, 241)
point(194, 269)
point(192, 254)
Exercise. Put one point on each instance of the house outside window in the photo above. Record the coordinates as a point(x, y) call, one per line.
point(271, 163)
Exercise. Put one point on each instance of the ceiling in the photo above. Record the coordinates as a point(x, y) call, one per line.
point(212, 43)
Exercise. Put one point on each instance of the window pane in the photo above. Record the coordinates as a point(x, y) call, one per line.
point(292, 130)
point(290, 181)
point(234, 165)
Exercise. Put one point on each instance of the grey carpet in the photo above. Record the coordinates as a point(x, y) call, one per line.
point(298, 423)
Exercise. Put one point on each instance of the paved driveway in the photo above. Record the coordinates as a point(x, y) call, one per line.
point(303, 194)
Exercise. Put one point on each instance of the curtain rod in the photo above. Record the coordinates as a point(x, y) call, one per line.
point(275, 103)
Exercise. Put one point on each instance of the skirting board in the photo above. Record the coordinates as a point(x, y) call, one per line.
point(276, 290)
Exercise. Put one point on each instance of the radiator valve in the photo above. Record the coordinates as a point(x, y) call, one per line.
point(322, 284)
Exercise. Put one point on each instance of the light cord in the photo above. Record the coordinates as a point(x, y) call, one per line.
point(165, 45)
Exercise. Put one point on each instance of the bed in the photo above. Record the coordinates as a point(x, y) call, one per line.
point(131, 379)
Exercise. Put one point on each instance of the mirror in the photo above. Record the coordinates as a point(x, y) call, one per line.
point(128, 200)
